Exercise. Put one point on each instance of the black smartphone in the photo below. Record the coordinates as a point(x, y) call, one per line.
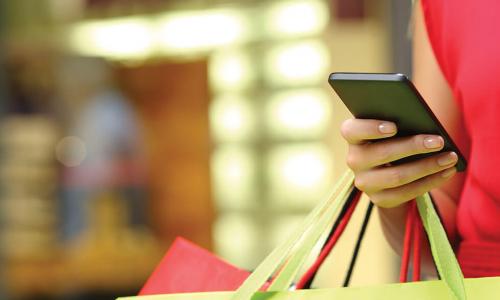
point(392, 97)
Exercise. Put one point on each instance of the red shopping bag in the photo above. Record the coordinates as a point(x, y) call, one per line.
point(189, 268)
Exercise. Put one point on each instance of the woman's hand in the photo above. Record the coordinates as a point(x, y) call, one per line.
point(391, 185)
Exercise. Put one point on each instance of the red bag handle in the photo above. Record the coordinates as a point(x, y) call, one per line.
point(306, 279)
point(412, 244)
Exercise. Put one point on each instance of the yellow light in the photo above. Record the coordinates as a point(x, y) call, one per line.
point(233, 172)
point(230, 71)
point(201, 30)
point(232, 118)
point(236, 239)
point(294, 18)
point(121, 38)
point(299, 63)
point(299, 174)
point(303, 170)
point(298, 114)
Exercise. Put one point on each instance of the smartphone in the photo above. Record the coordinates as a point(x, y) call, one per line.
point(392, 97)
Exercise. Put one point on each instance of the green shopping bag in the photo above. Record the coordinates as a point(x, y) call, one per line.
point(286, 260)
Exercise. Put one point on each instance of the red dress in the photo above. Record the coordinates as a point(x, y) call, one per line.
point(465, 37)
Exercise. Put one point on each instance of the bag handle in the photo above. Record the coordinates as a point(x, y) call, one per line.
point(361, 235)
point(412, 243)
point(285, 277)
point(411, 218)
point(304, 236)
point(446, 262)
point(442, 252)
point(335, 233)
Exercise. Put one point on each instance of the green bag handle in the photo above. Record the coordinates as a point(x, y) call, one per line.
point(288, 273)
point(442, 252)
point(447, 265)
point(296, 242)
point(446, 262)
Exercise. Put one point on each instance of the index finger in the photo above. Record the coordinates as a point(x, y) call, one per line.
point(358, 131)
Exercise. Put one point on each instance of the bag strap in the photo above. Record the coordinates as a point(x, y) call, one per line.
point(412, 244)
point(286, 276)
point(423, 212)
point(446, 262)
point(335, 234)
point(361, 235)
point(443, 254)
point(325, 209)
point(305, 237)
point(417, 247)
point(407, 241)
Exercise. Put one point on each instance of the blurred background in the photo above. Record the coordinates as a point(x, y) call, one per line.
point(126, 123)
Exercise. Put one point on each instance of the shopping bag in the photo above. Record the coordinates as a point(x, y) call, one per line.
point(189, 268)
point(286, 260)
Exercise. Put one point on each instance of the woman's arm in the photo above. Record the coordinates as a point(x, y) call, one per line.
point(433, 86)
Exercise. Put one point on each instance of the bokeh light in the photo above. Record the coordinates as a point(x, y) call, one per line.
point(235, 239)
point(304, 62)
point(201, 30)
point(120, 38)
point(231, 70)
point(299, 174)
point(232, 118)
point(296, 18)
point(234, 177)
point(298, 114)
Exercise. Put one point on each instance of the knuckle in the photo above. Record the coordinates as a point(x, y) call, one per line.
point(432, 166)
point(360, 183)
point(394, 177)
point(418, 141)
point(352, 160)
point(409, 194)
point(345, 128)
point(427, 184)
point(383, 153)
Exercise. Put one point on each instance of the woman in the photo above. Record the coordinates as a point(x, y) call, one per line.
point(456, 49)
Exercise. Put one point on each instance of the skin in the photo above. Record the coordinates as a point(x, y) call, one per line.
point(391, 187)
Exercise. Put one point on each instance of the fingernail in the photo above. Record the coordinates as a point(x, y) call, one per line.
point(387, 127)
point(448, 173)
point(447, 159)
point(433, 142)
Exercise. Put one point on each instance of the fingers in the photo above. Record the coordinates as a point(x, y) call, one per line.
point(395, 176)
point(371, 148)
point(357, 131)
point(396, 196)
point(363, 157)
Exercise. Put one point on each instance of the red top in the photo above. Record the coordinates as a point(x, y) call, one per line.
point(465, 37)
